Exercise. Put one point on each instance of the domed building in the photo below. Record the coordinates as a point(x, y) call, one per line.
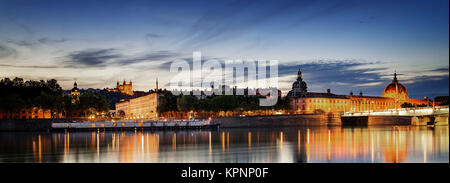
point(396, 90)
point(299, 87)
point(394, 95)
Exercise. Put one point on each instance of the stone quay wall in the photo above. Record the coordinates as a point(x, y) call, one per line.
point(389, 120)
point(278, 120)
point(376, 120)
point(25, 124)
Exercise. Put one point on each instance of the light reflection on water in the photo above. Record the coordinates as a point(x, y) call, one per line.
point(396, 144)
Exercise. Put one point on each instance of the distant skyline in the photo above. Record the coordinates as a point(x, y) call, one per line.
point(346, 45)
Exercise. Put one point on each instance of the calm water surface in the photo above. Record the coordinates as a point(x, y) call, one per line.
point(390, 144)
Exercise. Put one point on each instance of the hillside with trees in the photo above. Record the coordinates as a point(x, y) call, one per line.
point(17, 95)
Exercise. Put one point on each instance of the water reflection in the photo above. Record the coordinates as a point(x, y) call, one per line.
point(395, 144)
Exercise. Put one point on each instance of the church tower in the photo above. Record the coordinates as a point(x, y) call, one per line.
point(124, 88)
point(157, 88)
point(299, 85)
point(75, 93)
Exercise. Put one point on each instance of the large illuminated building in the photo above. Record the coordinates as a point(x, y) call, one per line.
point(123, 88)
point(394, 95)
point(144, 107)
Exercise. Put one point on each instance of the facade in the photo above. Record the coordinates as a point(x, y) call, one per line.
point(123, 88)
point(396, 91)
point(75, 93)
point(31, 113)
point(302, 101)
point(144, 107)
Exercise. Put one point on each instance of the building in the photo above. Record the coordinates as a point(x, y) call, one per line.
point(396, 90)
point(123, 88)
point(144, 107)
point(139, 108)
point(75, 93)
point(27, 113)
point(393, 96)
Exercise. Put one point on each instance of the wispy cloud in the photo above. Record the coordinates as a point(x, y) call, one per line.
point(46, 40)
point(166, 65)
point(92, 57)
point(6, 52)
point(349, 71)
point(371, 84)
point(32, 43)
point(228, 20)
point(428, 86)
point(29, 66)
point(154, 56)
point(113, 57)
point(233, 19)
point(25, 43)
point(441, 69)
point(151, 35)
point(342, 76)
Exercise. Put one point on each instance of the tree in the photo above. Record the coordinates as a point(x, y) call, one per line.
point(121, 113)
point(67, 106)
point(44, 101)
point(407, 105)
point(223, 103)
point(53, 87)
point(204, 104)
point(247, 103)
point(91, 104)
point(187, 103)
point(283, 103)
point(11, 103)
point(167, 102)
point(17, 95)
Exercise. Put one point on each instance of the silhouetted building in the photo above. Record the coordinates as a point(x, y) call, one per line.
point(75, 93)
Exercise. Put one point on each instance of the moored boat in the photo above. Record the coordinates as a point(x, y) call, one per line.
point(154, 124)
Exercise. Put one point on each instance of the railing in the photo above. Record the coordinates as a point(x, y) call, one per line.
point(129, 124)
point(418, 111)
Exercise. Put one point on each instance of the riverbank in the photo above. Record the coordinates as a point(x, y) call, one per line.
point(375, 120)
point(225, 122)
point(331, 119)
point(25, 124)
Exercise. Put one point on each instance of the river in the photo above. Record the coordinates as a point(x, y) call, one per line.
point(382, 144)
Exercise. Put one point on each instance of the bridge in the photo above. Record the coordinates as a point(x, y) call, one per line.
point(403, 116)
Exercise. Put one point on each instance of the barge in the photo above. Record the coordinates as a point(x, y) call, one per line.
point(126, 125)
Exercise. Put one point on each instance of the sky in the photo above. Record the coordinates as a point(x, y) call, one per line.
point(346, 45)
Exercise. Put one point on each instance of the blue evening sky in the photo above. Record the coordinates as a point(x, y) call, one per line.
point(343, 45)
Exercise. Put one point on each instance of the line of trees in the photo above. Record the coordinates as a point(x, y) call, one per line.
point(88, 104)
point(408, 105)
point(185, 103)
point(17, 95)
